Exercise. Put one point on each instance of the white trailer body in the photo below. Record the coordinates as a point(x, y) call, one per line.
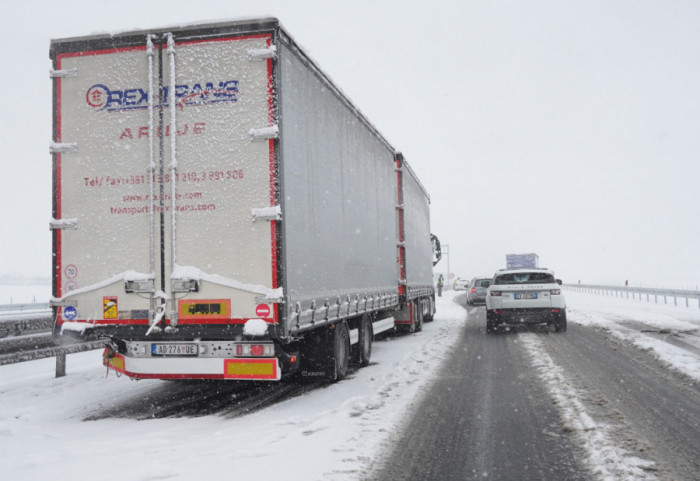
point(221, 209)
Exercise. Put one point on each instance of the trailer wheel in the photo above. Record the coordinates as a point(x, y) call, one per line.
point(418, 316)
point(341, 352)
point(431, 310)
point(362, 351)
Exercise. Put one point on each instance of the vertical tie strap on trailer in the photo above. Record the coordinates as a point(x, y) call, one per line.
point(151, 172)
point(173, 171)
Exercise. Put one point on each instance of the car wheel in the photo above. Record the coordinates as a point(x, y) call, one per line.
point(560, 326)
point(490, 327)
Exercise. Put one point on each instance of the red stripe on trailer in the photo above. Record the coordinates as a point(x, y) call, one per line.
point(273, 191)
point(57, 232)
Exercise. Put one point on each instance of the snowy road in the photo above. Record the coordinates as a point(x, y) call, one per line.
point(486, 416)
point(587, 404)
point(616, 397)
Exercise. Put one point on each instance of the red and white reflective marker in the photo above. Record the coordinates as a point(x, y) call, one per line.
point(263, 310)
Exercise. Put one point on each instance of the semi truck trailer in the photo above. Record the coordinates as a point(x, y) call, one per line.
point(221, 210)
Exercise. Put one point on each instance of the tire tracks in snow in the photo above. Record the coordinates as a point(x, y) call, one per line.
point(604, 456)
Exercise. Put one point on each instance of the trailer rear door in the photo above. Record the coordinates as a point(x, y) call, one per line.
point(164, 179)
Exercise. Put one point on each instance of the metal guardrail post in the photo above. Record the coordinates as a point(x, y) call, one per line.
point(60, 365)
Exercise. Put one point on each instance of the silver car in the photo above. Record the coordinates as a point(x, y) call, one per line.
point(476, 290)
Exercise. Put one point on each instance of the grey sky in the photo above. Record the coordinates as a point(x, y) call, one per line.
point(566, 128)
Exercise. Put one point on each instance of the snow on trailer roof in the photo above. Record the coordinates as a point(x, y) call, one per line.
point(216, 27)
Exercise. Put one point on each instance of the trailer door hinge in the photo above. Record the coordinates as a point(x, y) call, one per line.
point(267, 213)
point(256, 54)
point(184, 285)
point(63, 303)
point(139, 286)
point(71, 72)
point(57, 148)
point(57, 224)
point(269, 300)
point(264, 133)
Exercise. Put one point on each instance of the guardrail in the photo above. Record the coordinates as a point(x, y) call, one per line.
point(24, 307)
point(639, 293)
point(25, 335)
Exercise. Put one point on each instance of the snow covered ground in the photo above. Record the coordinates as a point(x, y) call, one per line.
point(329, 433)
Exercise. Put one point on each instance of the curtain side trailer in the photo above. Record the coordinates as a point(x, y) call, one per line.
point(221, 210)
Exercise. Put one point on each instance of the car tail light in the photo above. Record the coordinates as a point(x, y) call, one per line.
point(473, 290)
point(495, 293)
point(555, 292)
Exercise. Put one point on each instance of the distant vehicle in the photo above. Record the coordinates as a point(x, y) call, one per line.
point(461, 284)
point(522, 261)
point(525, 296)
point(476, 291)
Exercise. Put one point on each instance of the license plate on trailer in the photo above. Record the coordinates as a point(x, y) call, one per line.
point(525, 295)
point(174, 349)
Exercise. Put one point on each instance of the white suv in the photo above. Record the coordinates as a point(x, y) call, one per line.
point(525, 296)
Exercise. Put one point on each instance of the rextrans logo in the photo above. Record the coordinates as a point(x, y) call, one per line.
point(100, 97)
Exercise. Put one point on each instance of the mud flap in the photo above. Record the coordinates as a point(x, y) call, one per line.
point(319, 353)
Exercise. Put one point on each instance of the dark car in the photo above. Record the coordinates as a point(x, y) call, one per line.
point(476, 290)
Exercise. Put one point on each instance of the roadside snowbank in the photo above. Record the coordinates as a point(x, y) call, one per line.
point(671, 332)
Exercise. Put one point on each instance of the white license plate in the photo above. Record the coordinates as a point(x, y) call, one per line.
point(525, 295)
point(174, 349)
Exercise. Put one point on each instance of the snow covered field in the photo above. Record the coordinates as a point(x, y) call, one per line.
point(13, 293)
point(330, 433)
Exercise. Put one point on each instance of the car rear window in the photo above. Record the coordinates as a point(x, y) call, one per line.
point(525, 278)
point(483, 282)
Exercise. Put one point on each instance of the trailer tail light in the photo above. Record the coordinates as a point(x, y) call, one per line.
point(555, 311)
point(495, 293)
point(255, 350)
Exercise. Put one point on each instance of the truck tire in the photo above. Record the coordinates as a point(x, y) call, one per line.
point(362, 351)
point(418, 317)
point(431, 310)
point(341, 353)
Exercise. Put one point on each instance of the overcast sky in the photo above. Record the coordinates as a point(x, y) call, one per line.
point(566, 128)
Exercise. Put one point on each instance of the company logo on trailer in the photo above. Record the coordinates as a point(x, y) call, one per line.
point(100, 97)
